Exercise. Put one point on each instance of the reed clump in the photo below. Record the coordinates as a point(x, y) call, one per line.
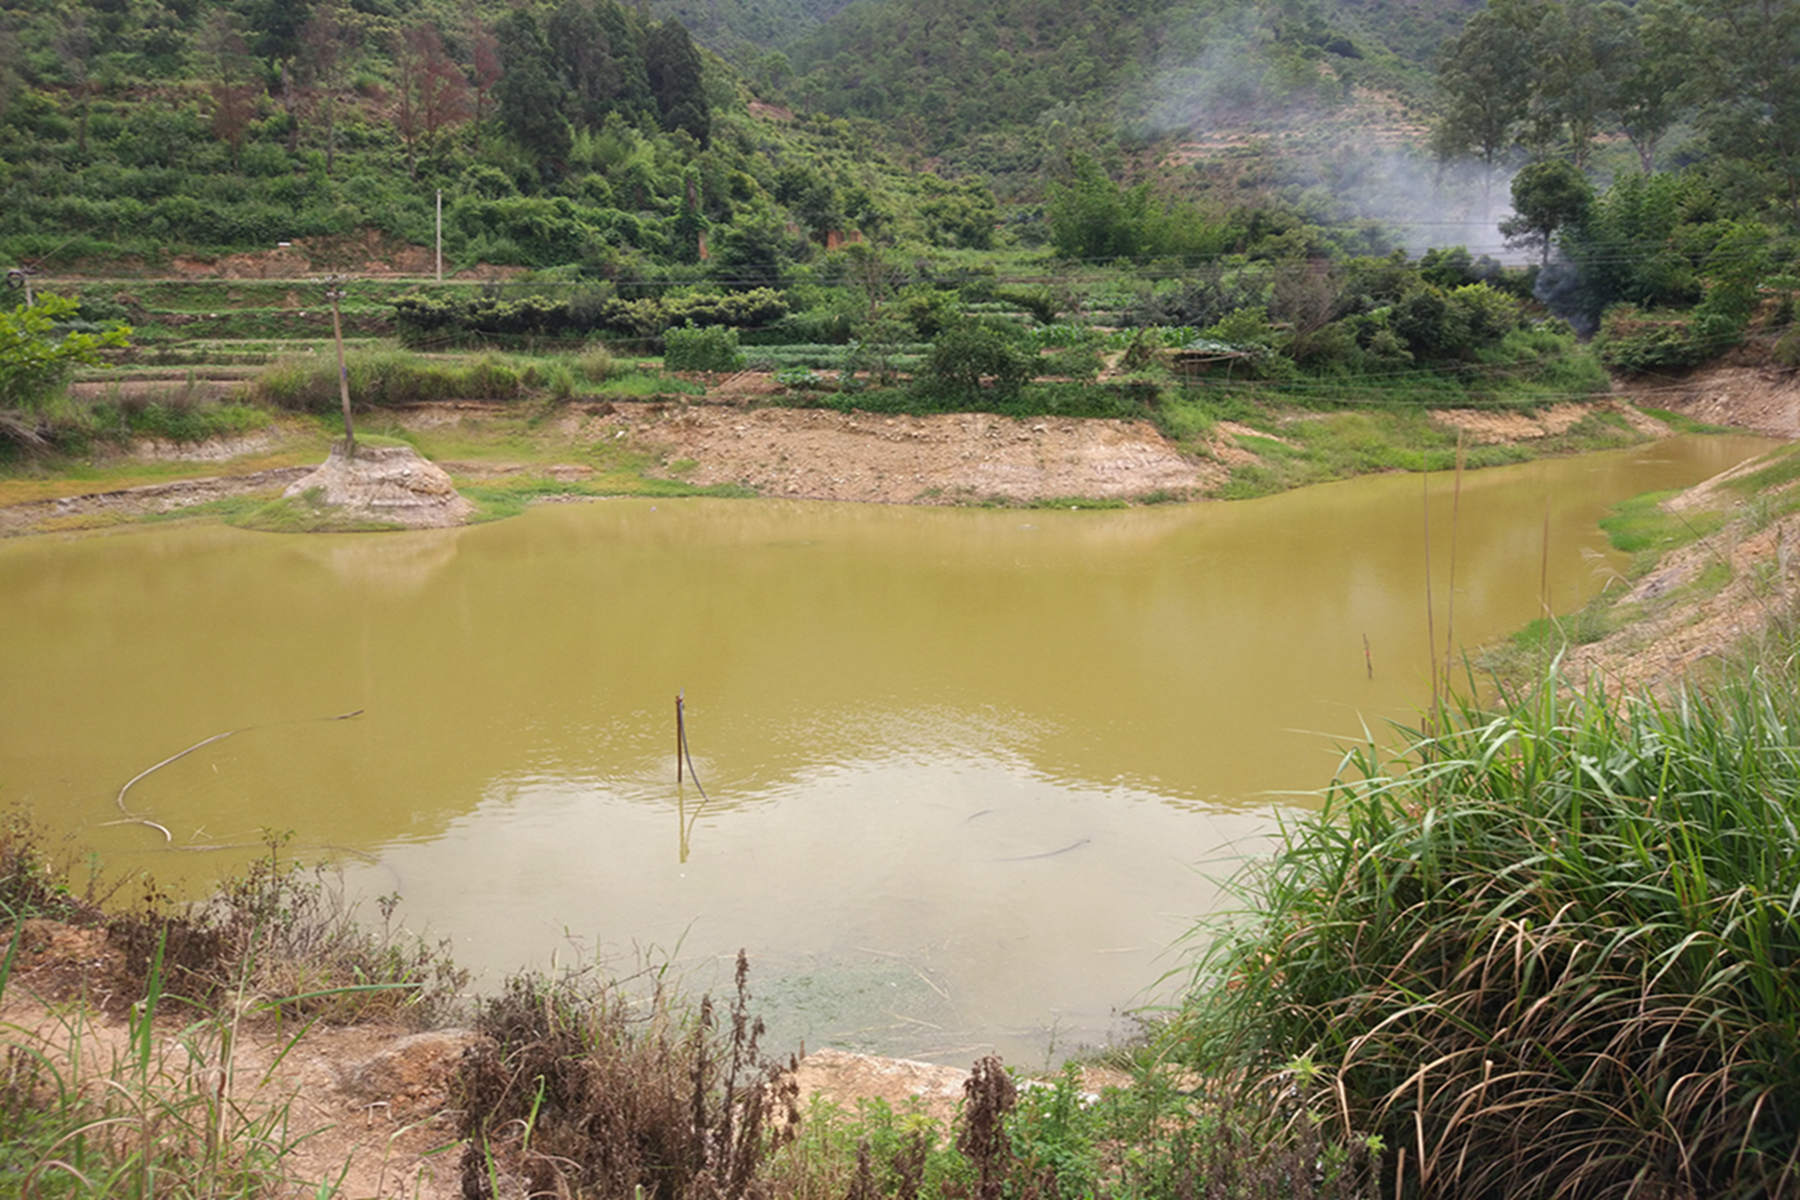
point(285, 933)
point(586, 1092)
point(1548, 950)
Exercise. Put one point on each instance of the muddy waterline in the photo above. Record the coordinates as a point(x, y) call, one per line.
point(969, 774)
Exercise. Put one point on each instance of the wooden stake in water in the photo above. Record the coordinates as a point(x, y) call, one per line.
point(1430, 617)
point(1368, 659)
point(1450, 600)
point(680, 736)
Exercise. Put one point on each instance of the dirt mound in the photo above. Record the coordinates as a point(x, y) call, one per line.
point(1486, 426)
point(941, 459)
point(386, 483)
point(1760, 398)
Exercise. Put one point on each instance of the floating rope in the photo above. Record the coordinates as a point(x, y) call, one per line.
point(1048, 853)
point(131, 818)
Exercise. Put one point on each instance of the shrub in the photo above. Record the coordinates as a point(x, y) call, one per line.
point(702, 350)
point(971, 354)
point(1635, 342)
point(583, 1094)
point(596, 364)
point(1551, 948)
point(38, 349)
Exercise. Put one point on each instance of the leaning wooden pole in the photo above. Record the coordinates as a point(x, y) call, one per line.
point(334, 292)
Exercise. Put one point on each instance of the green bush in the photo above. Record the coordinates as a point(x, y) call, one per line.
point(1634, 342)
point(972, 355)
point(712, 349)
point(1549, 943)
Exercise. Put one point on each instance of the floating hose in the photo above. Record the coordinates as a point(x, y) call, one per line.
point(131, 818)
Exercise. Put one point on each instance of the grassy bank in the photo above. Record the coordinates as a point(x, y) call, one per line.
point(1547, 948)
point(1265, 436)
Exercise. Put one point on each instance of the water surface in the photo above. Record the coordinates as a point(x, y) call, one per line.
point(969, 773)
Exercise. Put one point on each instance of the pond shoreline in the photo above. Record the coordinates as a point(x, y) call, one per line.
point(733, 441)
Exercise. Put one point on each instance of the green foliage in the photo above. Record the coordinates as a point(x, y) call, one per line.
point(702, 349)
point(972, 355)
point(1552, 938)
point(383, 379)
point(40, 346)
point(433, 319)
point(1547, 196)
point(1634, 342)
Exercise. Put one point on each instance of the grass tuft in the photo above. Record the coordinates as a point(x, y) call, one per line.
point(1549, 950)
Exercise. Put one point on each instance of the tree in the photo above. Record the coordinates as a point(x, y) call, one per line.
point(1547, 196)
point(1577, 53)
point(320, 70)
point(1484, 84)
point(1649, 87)
point(233, 84)
point(810, 196)
point(430, 93)
point(1092, 217)
point(75, 47)
point(676, 73)
point(484, 68)
point(530, 96)
point(37, 354)
point(601, 57)
point(968, 352)
point(1750, 81)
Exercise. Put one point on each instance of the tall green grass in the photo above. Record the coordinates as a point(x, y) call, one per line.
point(382, 378)
point(1550, 950)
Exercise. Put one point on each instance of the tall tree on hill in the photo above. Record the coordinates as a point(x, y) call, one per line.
point(484, 67)
point(1576, 51)
point(530, 96)
point(1649, 90)
point(232, 85)
point(1751, 85)
point(9, 65)
point(75, 46)
point(320, 68)
point(1484, 82)
point(430, 93)
point(272, 27)
point(676, 79)
point(601, 56)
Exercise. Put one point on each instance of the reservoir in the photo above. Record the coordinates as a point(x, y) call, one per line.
point(969, 775)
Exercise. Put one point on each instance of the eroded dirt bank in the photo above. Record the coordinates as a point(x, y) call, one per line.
point(949, 458)
point(734, 437)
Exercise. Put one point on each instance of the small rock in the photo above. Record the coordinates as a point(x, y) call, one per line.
point(412, 1070)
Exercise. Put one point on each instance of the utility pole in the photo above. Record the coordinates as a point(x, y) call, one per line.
point(440, 235)
point(334, 292)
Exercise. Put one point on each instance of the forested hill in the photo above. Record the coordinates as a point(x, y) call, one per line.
point(748, 32)
point(944, 72)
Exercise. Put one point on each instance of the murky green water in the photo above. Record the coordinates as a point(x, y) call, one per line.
point(970, 773)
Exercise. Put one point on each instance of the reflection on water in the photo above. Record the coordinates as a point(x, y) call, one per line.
point(968, 773)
